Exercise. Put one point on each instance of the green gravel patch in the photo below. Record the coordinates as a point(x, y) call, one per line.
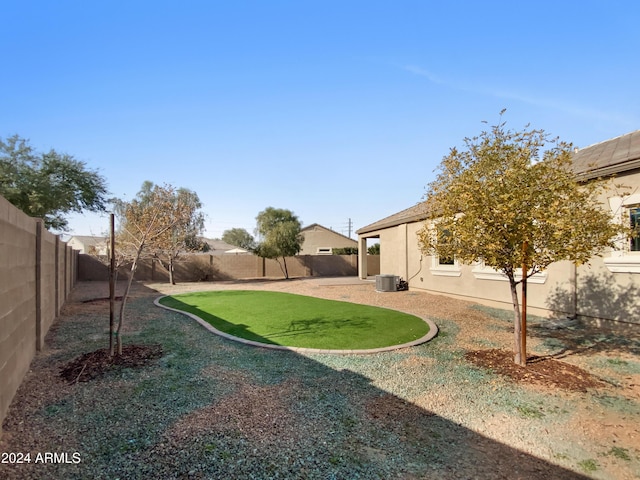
point(627, 367)
point(506, 315)
point(551, 346)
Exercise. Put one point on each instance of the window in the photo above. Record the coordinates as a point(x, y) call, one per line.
point(444, 239)
point(324, 251)
point(626, 257)
point(445, 265)
point(634, 214)
point(446, 261)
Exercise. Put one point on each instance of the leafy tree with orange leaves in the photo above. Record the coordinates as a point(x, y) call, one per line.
point(511, 201)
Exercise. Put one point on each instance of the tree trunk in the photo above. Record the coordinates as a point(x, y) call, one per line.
point(125, 295)
point(522, 347)
point(517, 323)
point(172, 280)
point(521, 337)
point(523, 318)
point(286, 271)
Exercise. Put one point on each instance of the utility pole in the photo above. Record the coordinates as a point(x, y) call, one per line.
point(349, 228)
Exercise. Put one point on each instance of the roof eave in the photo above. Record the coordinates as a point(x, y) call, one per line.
point(610, 170)
point(392, 223)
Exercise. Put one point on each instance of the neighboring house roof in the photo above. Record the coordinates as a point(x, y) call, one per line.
point(89, 244)
point(217, 246)
point(237, 250)
point(620, 154)
point(317, 225)
point(89, 241)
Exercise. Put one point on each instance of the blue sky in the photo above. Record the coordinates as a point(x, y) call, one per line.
point(335, 110)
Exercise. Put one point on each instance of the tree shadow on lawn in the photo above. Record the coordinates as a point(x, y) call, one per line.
point(240, 330)
point(562, 338)
point(340, 427)
point(601, 297)
point(289, 416)
point(584, 337)
point(321, 325)
point(598, 295)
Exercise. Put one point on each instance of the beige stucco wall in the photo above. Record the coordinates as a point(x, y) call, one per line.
point(393, 249)
point(373, 265)
point(318, 237)
point(400, 255)
point(605, 294)
point(600, 292)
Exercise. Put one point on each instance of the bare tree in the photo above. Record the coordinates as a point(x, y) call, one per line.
point(145, 222)
point(182, 237)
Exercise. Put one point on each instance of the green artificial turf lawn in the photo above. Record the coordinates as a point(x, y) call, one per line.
point(300, 321)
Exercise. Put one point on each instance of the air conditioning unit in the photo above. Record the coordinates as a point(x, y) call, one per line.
point(385, 283)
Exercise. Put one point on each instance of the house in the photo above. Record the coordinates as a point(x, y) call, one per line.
point(319, 240)
point(218, 247)
point(606, 288)
point(100, 245)
point(237, 251)
point(89, 245)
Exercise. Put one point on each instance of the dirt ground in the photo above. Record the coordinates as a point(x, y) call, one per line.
point(576, 364)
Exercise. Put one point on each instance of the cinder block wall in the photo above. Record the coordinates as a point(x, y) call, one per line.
point(37, 273)
point(48, 295)
point(208, 268)
point(17, 299)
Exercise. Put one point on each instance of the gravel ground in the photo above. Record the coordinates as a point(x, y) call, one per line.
point(209, 408)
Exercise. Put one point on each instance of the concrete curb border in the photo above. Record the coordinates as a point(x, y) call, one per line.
point(433, 331)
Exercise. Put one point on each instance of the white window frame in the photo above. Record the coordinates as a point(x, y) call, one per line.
point(445, 270)
point(622, 259)
point(628, 215)
point(483, 272)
